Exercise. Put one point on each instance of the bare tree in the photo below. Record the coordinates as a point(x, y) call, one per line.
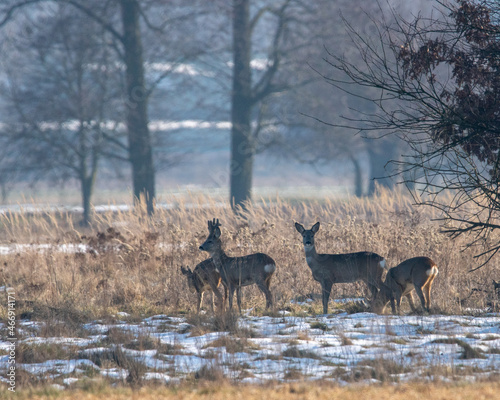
point(126, 22)
point(127, 40)
point(438, 89)
point(62, 95)
point(251, 93)
point(305, 109)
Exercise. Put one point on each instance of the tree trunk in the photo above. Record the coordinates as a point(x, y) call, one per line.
point(380, 171)
point(358, 176)
point(139, 140)
point(242, 143)
point(87, 177)
point(87, 184)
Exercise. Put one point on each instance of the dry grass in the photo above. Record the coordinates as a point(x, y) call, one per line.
point(133, 261)
point(303, 391)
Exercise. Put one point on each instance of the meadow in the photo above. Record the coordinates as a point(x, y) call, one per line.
point(94, 283)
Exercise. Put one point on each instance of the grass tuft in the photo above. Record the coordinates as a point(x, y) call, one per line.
point(468, 352)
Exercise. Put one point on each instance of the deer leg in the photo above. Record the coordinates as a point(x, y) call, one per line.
point(238, 297)
point(409, 297)
point(231, 293)
point(212, 305)
point(427, 293)
point(427, 296)
point(418, 289)
point(326, 287)
point(396, 295)
point(393, 305)
point(215, 291)
point(225, 298)
point(264, 288)
point(398, 303)
point(373, 289)
point(199, 300)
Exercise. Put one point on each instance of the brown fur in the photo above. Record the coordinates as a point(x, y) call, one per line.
point(205, 277)
point(417, 274)
point(328, 269)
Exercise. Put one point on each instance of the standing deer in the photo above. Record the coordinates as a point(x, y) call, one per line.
point(236, 272)
point(328, 269)
point(417, 274)
point(205, 277)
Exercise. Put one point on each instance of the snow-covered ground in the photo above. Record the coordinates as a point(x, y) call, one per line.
point(341, 347)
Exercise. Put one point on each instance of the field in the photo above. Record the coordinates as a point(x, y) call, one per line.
point(108, 304)
point(301, 391)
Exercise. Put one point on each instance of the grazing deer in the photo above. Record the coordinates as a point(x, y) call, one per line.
point(417, 274)
point(236, 272)
point(328, 269)
point(205, 277)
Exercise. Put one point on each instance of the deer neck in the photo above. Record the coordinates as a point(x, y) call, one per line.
point(311, 255)
point(220, 258)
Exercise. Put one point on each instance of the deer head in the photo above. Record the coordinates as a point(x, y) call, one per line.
point(190, 278)
point(307, 234)
point(213, 242)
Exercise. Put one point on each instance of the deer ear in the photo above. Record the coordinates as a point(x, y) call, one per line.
point(217, 232)
point(184, 271)
point(299, 228)
point(315, 227)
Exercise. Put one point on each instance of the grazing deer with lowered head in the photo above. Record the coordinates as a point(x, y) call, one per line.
point(417, 274)
point(237, 272)
point(205, 277)
point(328, 269)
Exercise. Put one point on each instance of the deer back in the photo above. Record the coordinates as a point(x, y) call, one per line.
point(207, 272)
point(246, 270)
point(343, 268)
point(414, 271)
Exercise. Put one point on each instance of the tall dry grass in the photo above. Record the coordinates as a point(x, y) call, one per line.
point(131, 262)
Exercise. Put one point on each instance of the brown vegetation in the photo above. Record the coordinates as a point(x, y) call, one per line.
point(303, 390)
point(131, 262)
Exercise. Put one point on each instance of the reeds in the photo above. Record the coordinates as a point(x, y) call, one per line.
point(130, 262)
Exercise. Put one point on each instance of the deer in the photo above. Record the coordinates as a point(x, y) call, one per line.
point(236, 272)
point(417, 273)
point(328, 269)
point(205, 277)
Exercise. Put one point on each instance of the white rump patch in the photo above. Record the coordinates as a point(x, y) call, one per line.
point(383, 263)
point(270, 268)
point(432, 271)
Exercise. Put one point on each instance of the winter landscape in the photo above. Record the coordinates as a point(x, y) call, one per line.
point(342, 348)
point(112, 308)
point(318, 161)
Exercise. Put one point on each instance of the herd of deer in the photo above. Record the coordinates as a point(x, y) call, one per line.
point(416, 273)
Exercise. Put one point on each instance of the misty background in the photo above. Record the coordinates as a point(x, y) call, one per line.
point(66, 101)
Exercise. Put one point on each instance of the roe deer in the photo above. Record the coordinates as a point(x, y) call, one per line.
point(328, 269)
point(205, 277)
point(236, 272)
point(415, 273)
